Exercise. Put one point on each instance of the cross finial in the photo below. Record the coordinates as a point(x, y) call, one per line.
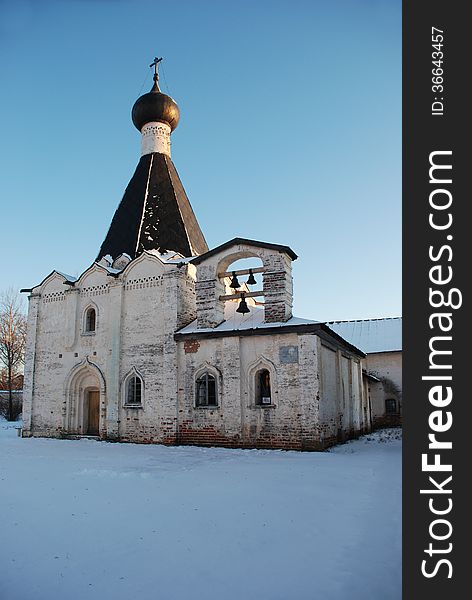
point(154, 64)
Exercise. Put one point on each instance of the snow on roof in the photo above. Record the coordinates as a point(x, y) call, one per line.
point(254, 319)
point(111, 270)
point(170, 257)
point(165, 256)
point(179, 260)
point(68, 277)
point(371, 335)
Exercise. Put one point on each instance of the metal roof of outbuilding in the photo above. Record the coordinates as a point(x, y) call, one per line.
point(371, 335)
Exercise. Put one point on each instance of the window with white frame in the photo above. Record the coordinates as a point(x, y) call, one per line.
point(206, 393)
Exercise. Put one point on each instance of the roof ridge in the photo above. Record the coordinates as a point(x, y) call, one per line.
point(364, 320)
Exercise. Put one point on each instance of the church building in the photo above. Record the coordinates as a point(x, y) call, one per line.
point(163, 340)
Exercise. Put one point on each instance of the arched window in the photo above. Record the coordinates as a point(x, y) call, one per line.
point(134, 387)
point(391, 406)
point(90, 320)
point(205, 390)
point(262, 387)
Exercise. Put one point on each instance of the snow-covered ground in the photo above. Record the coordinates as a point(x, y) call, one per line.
point(84, 520)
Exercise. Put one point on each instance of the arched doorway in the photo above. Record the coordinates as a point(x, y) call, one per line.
point(85, 395)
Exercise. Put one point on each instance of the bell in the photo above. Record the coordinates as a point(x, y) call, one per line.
point(251, 279)
point(243, 307)
point(234, 282)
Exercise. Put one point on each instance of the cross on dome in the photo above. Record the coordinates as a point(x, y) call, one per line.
point(154, 64)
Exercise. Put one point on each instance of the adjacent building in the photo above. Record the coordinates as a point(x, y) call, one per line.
point(381, 340)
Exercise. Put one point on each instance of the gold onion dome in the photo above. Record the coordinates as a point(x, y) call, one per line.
point(155, 106)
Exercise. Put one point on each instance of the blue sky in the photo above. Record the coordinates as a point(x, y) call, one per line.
point(290, 133)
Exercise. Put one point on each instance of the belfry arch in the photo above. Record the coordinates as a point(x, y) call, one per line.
point(212, 268)
point(85, 400)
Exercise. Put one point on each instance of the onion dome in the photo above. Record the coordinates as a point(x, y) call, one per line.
point(155, 106)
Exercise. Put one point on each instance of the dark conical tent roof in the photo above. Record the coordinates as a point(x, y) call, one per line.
point(154, 214)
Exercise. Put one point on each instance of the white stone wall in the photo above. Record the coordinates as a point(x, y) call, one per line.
point(316, 391)
point(289, 422)
point(344, 404)
point(137, 315)
point(330, 401)
point(387, 366)
point(308, 402)
point(30, 359)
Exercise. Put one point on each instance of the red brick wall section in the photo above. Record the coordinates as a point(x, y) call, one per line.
point(209, 436)
point(191, 346)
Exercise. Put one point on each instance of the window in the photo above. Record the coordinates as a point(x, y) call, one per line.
point(391, 406)
point(263, 393)
point(205, 390)
point(134, 391)
point(90, 320)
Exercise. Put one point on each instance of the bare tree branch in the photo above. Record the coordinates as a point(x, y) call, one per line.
point(12, 339)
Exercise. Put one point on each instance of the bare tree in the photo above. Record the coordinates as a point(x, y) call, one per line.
point(12, 340)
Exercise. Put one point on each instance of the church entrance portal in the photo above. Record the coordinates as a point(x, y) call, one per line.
point(86, 399)
point(93, 412)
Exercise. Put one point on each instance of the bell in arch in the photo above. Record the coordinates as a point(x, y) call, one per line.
point(243, 307)
point(234, 281)
point(251, 280)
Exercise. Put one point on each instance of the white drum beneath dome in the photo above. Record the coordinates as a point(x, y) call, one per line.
point(155, 138)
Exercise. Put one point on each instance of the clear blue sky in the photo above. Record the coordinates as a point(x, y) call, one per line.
point(290, 133)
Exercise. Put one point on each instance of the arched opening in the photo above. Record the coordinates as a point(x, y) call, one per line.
point(391, 406)
point(84, 392)
point(262, 388)
point(244, 278)
point(90, 319)
point(206, 390)
point(134, 391)
point(252, 263)
point(215, 274)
